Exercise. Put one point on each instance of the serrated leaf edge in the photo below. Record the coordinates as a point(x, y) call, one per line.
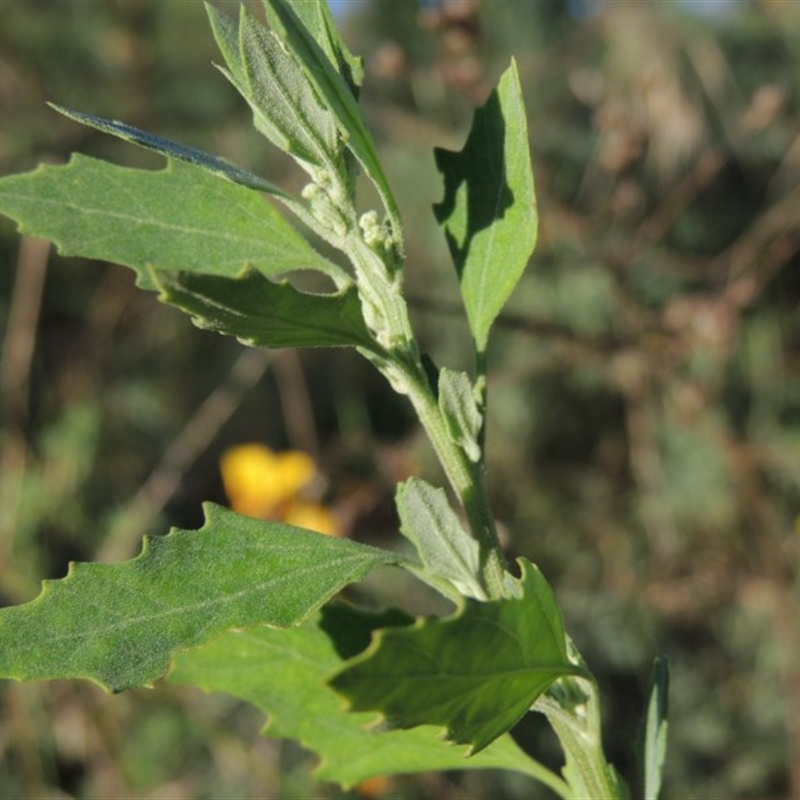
point(566, 669)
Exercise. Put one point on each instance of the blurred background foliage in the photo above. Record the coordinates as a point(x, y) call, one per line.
point(644, 432)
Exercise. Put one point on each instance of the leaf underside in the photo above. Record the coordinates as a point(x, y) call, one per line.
point(318, 20)
point(262, 313)
point(475, 673)
point(446, 549)
point(120, 624)
point(286, 108)
point(166, 147)
point(460, 411)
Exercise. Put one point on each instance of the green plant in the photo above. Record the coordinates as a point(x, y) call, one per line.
point(248, 607)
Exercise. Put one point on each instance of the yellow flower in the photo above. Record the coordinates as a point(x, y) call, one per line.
point(312, 516)
point(264, 484)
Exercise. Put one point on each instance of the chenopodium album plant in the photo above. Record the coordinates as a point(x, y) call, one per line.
point(247, 606)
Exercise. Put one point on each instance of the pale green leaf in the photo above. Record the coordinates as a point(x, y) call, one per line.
point(284, 104)
point(283, 672)
point(475, 673)
point(226, 34)
point(179, 218)
point(489, 207)
point(199, 158)
point(119, 625)
point(337, 95)
point(317, 18)
point(446, 549)
point(288, 109)
point(262, 313)
point(460, 411)
point(655, 735)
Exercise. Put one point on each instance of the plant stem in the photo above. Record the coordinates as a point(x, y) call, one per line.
point(587, 771)
point(481, 391)
point(466, 479)
point(385, 309)
point(572, 708)
point(386, 312)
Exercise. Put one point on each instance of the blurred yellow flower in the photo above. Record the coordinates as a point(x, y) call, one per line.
point(312, 516)
point(268, 485)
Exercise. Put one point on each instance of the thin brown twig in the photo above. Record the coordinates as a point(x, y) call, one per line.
point(744, 255)
point(655, 226)
point(298, 414)
point(19, 714)
point(23, 318)
point(15, 368)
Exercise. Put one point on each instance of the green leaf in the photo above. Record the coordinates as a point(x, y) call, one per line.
point(476, 673)
point(199, 158)
point(119, 625)
point(337, 95)
point(287, 108)
point(489, 207)
point(460, 411)
point(283, 672)
point(446, 549)
point(318, 20)
point(261, 313)
point(226, 35)
point(179, 218)
point(655, 737)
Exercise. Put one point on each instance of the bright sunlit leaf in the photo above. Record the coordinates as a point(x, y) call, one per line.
point(120, 624)
point(488, 211)
point(181, 218)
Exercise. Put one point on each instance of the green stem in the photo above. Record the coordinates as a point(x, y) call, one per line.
point(466, 479)
point(386, 313)
point(385, 309)
point(572, 707)
point(481, 391)
point(587, 772)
